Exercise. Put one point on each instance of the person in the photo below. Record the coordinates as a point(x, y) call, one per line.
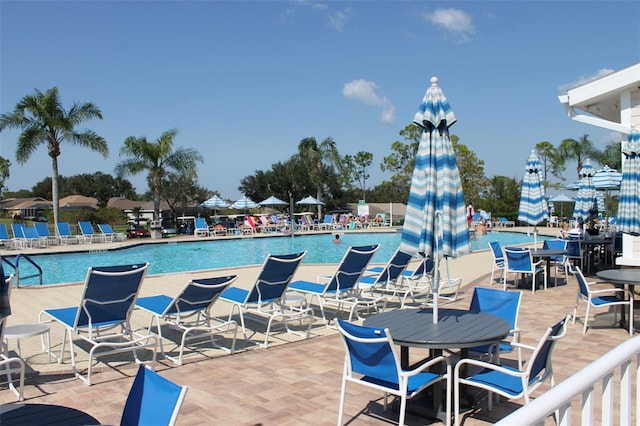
point(578, 231)
point(564, 230)
point(481, 229)
point(470, 213)
point(337, 239)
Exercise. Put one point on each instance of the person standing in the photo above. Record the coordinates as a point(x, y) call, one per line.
point(470, 213)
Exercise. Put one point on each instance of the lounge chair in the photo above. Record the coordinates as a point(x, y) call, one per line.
point(43, 232)
point(88, 234)
point(266, 301)
point(65, 234)
point(510, 382)
point(9, 365)
point(5, 240)
point(32, 238)
point(109, 234)
point(102, 319)
point(416, 283)
point(19, 241)
point(190, 313)
point(201, 229)
point(389, 282)
point(503, 221)
point(152, 400)
point(341, 289)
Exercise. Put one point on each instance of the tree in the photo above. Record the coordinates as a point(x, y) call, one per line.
point(501, 197)
point(319, 159)
point(551, 162)
point(611, 156)
point(403, 158)
point(180, 190)
point(356, 169)
point(471, 170)
point(157, 158)
point(578, 150)
point(4, 172)
point(43, 119)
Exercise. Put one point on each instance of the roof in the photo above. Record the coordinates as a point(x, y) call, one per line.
point(25, 203)
point(78, 202)
point(600, 101)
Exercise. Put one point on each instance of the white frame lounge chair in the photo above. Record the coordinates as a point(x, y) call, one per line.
point(265, 300)
point(103, 317)
point(190, 313)
point(64, 233)
point(88, 234)
point(109, 234)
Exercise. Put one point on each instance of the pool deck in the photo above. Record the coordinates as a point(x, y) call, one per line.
point(294, 381)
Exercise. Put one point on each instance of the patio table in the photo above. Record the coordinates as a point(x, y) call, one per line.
point(547, 254)
point(456, 329)
point(629, 277)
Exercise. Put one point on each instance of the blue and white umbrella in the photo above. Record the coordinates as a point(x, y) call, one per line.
point(214, 202)
point(533, 205)
point(586, 203)
point(629, 204)
point(244, 203)
point(606, 179)
point(435, 220)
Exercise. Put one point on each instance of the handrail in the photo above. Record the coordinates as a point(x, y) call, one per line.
point(558, 399)
point(16, 267)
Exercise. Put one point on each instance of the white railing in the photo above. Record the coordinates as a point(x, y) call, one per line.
point(558, 399)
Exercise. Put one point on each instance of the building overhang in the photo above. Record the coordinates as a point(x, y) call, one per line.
point(603, 101)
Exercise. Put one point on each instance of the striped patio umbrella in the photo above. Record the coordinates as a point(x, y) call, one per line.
point(244, 203)
point(214, 202)
point(606, 179)
point(629, 205)
point(533, 205)
point(586, 204)
point(435, 221)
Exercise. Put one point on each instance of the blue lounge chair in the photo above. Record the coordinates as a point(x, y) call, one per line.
point(64, 233)
point(88, 234)
point(19, 241)
point(102, 319)
point(152, 400)
point(109, 234)
point(5, 240)
point(201, 229)
point(265, 300)
point(371, 360)
point(32, 238)
point(190, 312)
point(389, 282)
point(341, 289)
point(43, 232)
point(512, 383)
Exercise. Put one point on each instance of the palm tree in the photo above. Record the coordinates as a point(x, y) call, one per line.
point(578, 150)
point(4, 172)
point(317, 157)
point(43, 119)
point(157, 158)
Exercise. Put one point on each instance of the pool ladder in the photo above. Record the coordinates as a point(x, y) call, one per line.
point(16, 268)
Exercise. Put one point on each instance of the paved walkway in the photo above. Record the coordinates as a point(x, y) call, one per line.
point(294, 381)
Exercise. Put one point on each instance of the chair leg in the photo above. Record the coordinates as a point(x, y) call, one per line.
point(342, 397)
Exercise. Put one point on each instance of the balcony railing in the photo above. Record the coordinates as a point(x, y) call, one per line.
point(625, 359)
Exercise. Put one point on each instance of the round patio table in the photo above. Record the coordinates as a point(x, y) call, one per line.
point(629, 277)
point(548, 254)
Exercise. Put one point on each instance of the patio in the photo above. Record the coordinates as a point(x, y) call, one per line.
point(292, 383)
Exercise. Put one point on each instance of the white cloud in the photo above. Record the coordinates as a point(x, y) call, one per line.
point(455, 22)
point(584, 80)
point(364, 91)
point(338, 19)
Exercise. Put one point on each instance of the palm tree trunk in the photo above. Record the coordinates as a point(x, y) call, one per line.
point(54, 189)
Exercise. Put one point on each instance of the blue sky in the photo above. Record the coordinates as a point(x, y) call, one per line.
point(244, 82)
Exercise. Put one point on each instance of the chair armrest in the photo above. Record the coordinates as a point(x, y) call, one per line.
point(426, 365)
point(524, 346)
point(489, 366)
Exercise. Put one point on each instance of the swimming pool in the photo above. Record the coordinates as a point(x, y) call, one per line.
point(174, 257)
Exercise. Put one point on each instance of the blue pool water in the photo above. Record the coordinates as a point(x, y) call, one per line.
point(192, 256)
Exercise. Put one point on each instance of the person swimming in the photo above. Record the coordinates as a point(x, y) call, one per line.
point(337, 239)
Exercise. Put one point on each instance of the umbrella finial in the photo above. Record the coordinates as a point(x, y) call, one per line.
point(434, 81)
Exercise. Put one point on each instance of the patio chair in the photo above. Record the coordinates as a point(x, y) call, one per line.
point(102, 318)
point(66, 236)
point(152, 400)
point(43, 232)
point(32, 239)
point(5, 240)
point(88, 235)
point(371, 360)
point(389, 282)
point(266, 300)
point(190, 313)
point(603, 298)
point(19, 241)
point(519, 261)
point(341, 289)
point(510, 382)
point(109, 234)
point(558, 262)
point(498, 260)
point(201, 229)
point(9, 365)
point(575, 253)
point(503, 304)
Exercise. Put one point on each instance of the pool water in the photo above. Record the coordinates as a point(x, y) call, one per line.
point(174, 257)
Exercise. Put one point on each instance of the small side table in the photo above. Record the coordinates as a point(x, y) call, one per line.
point(22, 331)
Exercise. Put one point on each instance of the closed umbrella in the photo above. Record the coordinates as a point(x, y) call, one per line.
point(586, 204)
point(435, 221)
point(629, 204)
point(533, 205)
